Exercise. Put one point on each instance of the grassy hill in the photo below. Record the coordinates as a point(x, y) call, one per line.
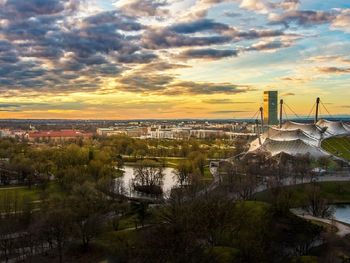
point(339, 146)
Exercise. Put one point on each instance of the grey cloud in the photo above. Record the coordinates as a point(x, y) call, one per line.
point(163, 84)
point(303, 18)
point(289, 4)
point(334, 70)
point(198, 26)
point(227, 111)
point(268, 45)
point(254, 34)
point(225, 101)
point(144, 8)
point(163, 38)
point(4, 105)
point(195, 88)
point(114, 19)
point(162, 66)
point(28, 8)
point(137, 57)
point(231, 14)
point(288, 94)
point(145, 83)
point(208, 53)
point(5, 46)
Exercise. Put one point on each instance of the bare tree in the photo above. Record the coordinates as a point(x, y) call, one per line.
point(148, 176)
point(316, 204)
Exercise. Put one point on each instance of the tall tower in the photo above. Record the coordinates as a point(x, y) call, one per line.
point(270, 108)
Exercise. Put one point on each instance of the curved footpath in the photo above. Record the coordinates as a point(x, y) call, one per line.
point(343, 229)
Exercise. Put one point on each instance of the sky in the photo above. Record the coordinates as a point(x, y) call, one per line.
point(141, 59)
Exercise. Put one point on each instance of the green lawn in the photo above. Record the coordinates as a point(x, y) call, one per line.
point(334, 192)
point(339, 146)
point(22, 194)
point(13, 198)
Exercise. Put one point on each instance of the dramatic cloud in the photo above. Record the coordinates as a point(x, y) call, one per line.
point(199, 88)
point(151, 83)
point(162, 84)
point(334, 70)
point(288, 94)
point(342, 21)
point(225, 101)
point(272, 45)
point(208, 54)
point(289, 4)
point(255, 5)
point(144, 8)
point(198, 26)
point(163, 38)
point(227, 111)
point(24, 9)
point(303, 18)
point(95, 50)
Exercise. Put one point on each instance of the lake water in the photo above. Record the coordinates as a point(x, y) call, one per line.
point(342, 213)
point(168, 181)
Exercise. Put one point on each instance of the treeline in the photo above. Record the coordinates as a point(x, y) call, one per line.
point(213, 148)
point(212, 228)
point(24, 163)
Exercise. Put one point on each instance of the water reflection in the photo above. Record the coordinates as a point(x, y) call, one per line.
point(342, 213)
point(126, 181)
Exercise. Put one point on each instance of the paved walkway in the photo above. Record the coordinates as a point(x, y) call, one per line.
point(343, 229)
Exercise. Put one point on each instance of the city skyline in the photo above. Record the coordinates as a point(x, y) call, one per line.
point(144, 59)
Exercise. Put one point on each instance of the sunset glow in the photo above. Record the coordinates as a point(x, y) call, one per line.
point(107, 59)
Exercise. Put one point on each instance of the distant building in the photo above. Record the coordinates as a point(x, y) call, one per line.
point(110, 131)
point(132, 131)
point(63, 135)
point(205, 134)
point(270, 107)
point(18, 134)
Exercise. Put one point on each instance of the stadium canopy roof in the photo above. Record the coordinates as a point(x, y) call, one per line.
point(299, 138)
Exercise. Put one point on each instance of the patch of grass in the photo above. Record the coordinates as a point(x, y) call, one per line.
point(13, 199)
point(305, 259)
point(20, 192)
point(339, 146)
point(127, 221)
point(207, 175)
point(335, 192)
point(326, 226)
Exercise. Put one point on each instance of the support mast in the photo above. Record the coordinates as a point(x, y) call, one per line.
point(281, 112)
point(262, 119)
point(317, 109)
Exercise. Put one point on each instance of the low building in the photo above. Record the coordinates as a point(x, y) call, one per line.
point(205, 134)
point(18, 134)
point(63, 135)
point(112, 131)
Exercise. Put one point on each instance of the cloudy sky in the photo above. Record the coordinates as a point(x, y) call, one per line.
point(132, 59)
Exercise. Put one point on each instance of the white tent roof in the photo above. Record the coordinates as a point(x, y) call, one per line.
point(299, 138)
point(290, 135)
point(309, 128)
point(293, 147)
point(333, 127)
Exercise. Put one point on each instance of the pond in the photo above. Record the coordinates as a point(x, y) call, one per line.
point(342, 212)
point(168, 181)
